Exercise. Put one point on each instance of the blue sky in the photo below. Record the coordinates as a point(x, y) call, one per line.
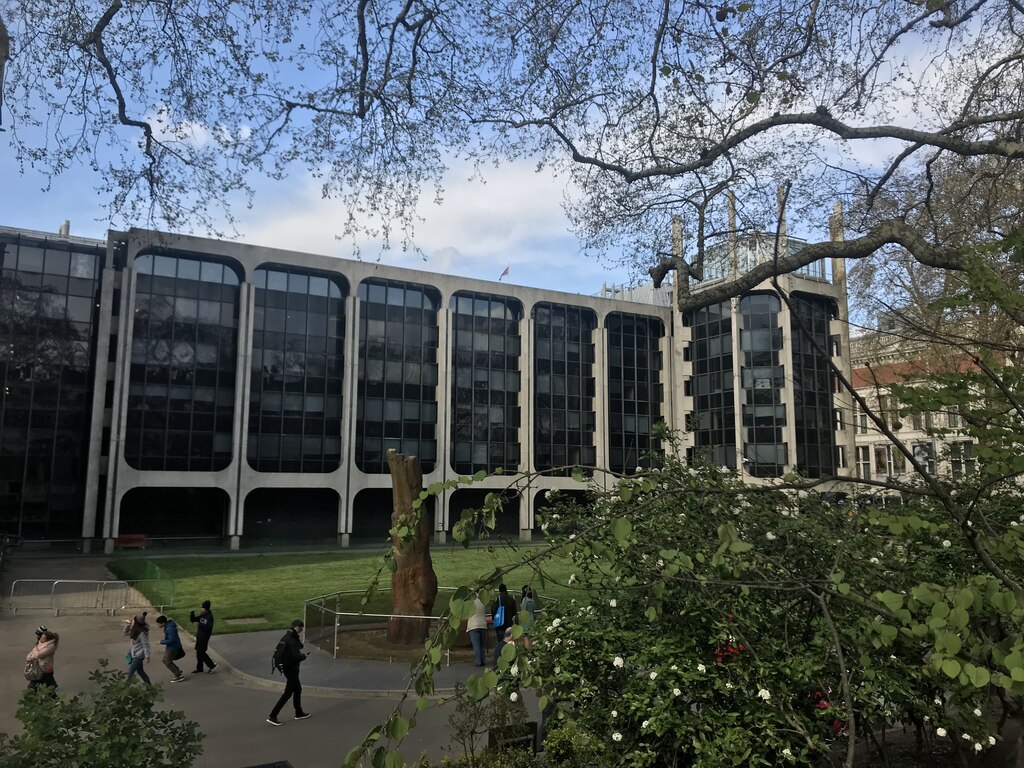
point(513, 219)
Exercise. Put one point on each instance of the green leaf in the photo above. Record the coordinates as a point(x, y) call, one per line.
point(577, 474)
point(951, 668)
point(739, 547)
point(979, 676)
point(890, 600)
point(621, 528)
point(394, 759)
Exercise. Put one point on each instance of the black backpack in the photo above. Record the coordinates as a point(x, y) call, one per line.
point(277, 660)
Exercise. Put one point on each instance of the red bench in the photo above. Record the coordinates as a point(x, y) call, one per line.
point(132, 541)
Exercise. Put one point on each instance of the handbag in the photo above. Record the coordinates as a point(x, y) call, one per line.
point(128, 658)
point(33, 670)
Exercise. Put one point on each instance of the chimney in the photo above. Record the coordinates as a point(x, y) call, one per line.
point(65, 229)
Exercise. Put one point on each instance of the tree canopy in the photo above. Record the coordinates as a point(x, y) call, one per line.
point(653, 109)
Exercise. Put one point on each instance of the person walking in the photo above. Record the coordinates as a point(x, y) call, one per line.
point(203, 631)
point(42, 653)
point(476, 628)
point(287, 659)
point(528, 615)
point(138, 633)
point(172, 647)
point(503, 616)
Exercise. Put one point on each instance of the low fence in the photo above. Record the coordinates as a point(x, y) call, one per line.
point(90, 595)
point(330, 621)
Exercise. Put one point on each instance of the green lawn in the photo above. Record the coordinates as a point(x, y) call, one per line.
point(273, 587)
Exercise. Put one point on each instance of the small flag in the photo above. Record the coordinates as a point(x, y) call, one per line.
point(504, 273)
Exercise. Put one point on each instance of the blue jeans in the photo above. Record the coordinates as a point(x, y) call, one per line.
point(478, 637)
point(137, 666)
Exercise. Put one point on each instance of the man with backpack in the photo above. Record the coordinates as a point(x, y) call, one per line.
point(287, 657)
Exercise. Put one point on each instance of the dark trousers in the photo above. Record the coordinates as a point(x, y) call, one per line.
point(202, 657)
point(169, 657)
point(47, 679)
point(292, 688)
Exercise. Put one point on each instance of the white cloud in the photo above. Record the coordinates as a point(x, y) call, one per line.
point(514, 218)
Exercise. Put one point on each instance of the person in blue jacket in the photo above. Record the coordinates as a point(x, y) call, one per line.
point(172, 647)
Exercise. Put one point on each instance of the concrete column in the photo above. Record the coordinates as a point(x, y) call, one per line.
point(99, 389)
point(600, 369)
point(526, 392)
point(239, 429)
point(122, 367)
point(349, 386)
point(443, 394)
point(737, 381)
point(526, 513)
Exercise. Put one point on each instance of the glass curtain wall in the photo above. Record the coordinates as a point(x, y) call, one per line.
point(634, 389)
point(181, 391)
point(813, 409)
point(49, 292)
point(485, 397)
point(563, 387)
point(714, 411)
point(396, 391)
point(763, 382)
point(295, 395)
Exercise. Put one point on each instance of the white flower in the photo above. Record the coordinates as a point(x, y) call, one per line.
point(977, 747)
point(514, 670)
point(556, 623)
point(701, 668)
point(613, 603)
point(1014, 523)
point(991, 741)
point(513, 696)
point(946, 543)
point(645, 723)
point(572, 578)
point(728, 686)
point(977, 712)
point(874, 561)
point(676, 692)
point(654, 675)
point(661, 563)
point(673, 667)
point(616, 736)
point(617, 662)
point(764, 694)
point(892, 657)
point(940, 732)
point(770, 536)
point(615, 713)
point(786, 752)
point(927, 719)
point(966, 737)
point(938, 701)
point(572, 536)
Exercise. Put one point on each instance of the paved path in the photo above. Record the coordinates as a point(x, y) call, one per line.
point(346, 698)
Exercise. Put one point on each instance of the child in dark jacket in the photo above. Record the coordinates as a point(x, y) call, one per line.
point(172, 647)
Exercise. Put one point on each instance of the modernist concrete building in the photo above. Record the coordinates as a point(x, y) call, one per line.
point(195, 389)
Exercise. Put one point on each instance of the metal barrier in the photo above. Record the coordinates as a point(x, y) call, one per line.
point(327, 616)
point(90, 595)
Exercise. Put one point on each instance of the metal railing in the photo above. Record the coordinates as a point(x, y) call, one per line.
point(90, 595)
point(327, 617)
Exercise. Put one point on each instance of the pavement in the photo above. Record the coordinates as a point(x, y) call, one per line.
point(346, 698)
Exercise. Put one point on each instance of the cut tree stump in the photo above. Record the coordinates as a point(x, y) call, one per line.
point(413, 583)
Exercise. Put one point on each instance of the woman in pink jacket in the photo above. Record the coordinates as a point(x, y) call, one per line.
point(44, 651)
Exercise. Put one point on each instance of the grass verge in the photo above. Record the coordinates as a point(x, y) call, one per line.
point(273, 587)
